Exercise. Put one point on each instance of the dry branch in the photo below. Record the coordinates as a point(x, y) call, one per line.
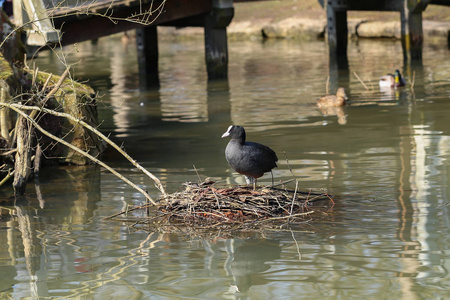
point(20, 107)
point(94, 159)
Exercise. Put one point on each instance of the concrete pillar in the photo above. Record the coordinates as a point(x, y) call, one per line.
point(216, 44)
point(38, 26)
point(147, 48)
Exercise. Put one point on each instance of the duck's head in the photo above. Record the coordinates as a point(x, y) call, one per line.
point(397, 77)
point(341, 93)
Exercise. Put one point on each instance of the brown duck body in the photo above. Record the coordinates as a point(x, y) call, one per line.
point(333, 100)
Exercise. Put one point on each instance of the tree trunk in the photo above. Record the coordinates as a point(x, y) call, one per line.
point(22, 168)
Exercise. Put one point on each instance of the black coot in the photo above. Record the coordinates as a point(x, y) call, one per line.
point(248, 158)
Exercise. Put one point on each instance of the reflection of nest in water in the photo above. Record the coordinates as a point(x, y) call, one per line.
point(205, 207)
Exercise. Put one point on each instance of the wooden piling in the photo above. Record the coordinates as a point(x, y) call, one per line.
point(412, 35)
point(411, 23)
point(337, 31)
point(147, 48)
point(216, 43)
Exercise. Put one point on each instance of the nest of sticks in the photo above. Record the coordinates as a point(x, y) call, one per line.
point(203, 206)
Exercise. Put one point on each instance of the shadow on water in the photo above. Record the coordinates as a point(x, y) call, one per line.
point(385, 156)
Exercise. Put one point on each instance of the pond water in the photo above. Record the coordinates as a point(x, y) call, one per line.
point(385, 157)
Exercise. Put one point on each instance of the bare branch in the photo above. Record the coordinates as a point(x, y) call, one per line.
point(94, 130)
point(94, 159)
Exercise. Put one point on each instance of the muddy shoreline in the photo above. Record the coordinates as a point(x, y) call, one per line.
point(307, 29)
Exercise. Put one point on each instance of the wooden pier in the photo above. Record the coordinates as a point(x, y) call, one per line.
point(410, 17)
point(99, 18)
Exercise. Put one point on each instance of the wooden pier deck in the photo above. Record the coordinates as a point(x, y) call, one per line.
point(104, 17)
point(70, 22)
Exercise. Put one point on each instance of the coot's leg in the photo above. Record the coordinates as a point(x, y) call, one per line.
point(248, 180)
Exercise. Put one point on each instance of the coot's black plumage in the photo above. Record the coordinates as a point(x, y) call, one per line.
point(248, 158)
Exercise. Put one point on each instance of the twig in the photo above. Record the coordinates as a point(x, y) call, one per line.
point(331, 199)
point(296, 244)
point(303, 193)
point(289, 166)
point(7, 177)
point(56, 87)
point(122, 212)
point(279, 205)
point(362, 82)
point(307, 199)
point(198, 175)
point(282, 183)
point(46, 82)
point(290, 216)
point(413, 80)
point(35, 73)
point(217, 199)
point(293, 198)
point(25, 55)
point(327, 85)
point(213, 214)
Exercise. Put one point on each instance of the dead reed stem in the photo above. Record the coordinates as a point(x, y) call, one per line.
point(362, 82)
point(327, 85)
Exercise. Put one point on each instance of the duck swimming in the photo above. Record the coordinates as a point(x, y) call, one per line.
point(390, 80)
point(333, 100)
point(248, 158)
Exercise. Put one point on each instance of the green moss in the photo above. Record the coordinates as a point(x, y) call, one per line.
point(5, 69)
point(68, 86)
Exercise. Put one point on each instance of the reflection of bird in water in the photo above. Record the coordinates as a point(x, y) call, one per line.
point(248, 259)
point(248, 158)
point(335, 111)
point(394, 80)
point(389, 94)
point(127, 38)
point(333, 100)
